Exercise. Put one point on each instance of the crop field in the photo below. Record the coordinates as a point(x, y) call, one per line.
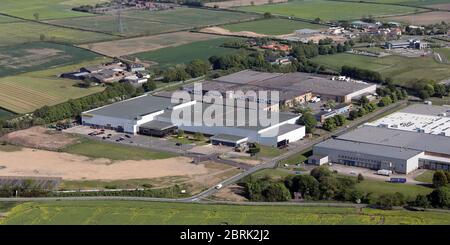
point(421, 18)
point(272, 26)
point(407, 2)
point(401, 69)
point(129, 46)
point(138, 23)
point(29, 91)
point(329, 10)
point(46, 9)
point(121, 212)
point(39, 55)
point(25, 31)
point(187, 52)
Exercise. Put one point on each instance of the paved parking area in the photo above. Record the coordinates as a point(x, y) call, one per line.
point(372, 174)
point(155, 143)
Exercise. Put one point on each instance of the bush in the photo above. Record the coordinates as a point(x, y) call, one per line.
point(321, 171)
point(360, 177)
point(439, 179)
point(440, 197)
point(389, 200)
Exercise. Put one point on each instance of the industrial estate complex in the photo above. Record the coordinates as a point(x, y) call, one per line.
point(416, 137)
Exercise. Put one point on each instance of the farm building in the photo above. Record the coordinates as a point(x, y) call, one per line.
point(294, 88)
point(414, 44)
point(375, 146)
point(157, 116)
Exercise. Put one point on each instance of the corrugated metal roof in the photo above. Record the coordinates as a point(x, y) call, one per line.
point(398, 138)
point(370, 149)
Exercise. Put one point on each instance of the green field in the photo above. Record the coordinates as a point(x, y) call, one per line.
point(39, 55)
point(401, 69)
point(135, 213)
point(328, 10)
point(406, 2)
point(380, 187)
point(426, 177)
point(187, 52)
point(24, 31)
point(47, 9)
point(4, 114)
point(29, 91)
point(139, 22)
point(274, 26)
point(96, 149)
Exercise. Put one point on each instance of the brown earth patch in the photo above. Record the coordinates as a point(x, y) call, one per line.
point(225, 32)
point(40, 163)
point(40, 138)
point(423, 18)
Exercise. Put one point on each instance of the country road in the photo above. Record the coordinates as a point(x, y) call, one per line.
point(212, 190)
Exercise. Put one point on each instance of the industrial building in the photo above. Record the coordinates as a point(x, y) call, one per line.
point(293, 88)
point(410, 145)
point(158, 116)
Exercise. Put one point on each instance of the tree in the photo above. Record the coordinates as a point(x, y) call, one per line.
point(340, 120)
point(321, 171)
point(440, 197)
point(388, 200)
point(267, 15)
point(36, 16)
point(42, 37)
point(421, 201)
point(197, 68)
point(364, 101)
point(328, 187)
point(276, 192)
point(329, 124)
point(439, 179)
point(360, 177)
point(149, 86)
point(306, 185)
point(353, 114)
point(440, 90)
point(362, 112)
point(309, 121)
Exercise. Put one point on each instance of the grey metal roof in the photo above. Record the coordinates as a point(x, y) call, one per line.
point(133, 108)
point(157, 125)
point(227, 137)
point(228, 114)
point(282, 129)
point(246, 76)
point(370, 149)
point(399, 138)
point(424, 109)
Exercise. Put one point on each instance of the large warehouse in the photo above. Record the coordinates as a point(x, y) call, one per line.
point(153, 115)
point(293, 87)
point(402, 148)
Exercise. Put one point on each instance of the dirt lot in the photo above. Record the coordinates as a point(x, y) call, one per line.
point(445, 6)
point(423, 18)
point(233, 193)
point(41, 163)
point(143, 44)
point(223, 31)
point(237, 3)
point(40, 138)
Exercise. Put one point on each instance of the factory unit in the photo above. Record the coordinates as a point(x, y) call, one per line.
point(391, 149)
point(294, 88)
point(153, 115)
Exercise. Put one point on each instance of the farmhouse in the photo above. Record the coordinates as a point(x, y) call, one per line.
point(401, 149)
point(157, 116)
